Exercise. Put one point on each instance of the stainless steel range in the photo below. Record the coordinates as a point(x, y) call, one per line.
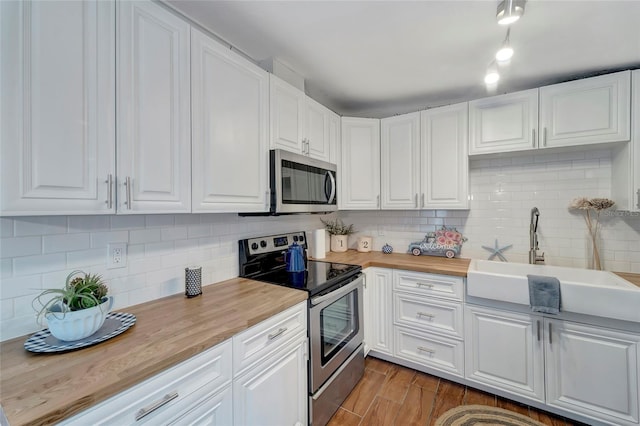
point(336, 361)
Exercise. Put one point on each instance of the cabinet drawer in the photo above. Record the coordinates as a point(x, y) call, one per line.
point(268, 336)
point(430, 350)
point(428, 315)
point(445, 286)
point(207, 372)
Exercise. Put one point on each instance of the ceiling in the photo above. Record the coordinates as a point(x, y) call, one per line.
point(381, 58)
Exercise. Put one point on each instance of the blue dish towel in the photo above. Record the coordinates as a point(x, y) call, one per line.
point(544, 294)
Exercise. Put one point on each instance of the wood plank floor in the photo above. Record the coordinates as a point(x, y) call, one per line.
point(389, 394)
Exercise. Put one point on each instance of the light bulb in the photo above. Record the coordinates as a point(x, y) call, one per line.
point(491, 77)
point(504, 54)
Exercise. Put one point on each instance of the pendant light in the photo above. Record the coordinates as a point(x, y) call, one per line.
point(492, 76)
point(509, 11)
point(506, 51)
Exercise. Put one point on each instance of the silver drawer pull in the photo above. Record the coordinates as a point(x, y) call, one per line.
point(277, 333)
point(423, 349)
point(425, 285)
point(424, 314)
point(153, 407)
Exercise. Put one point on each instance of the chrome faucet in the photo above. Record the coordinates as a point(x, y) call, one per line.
point(533, 238)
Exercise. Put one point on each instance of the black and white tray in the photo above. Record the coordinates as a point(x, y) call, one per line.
point(115, 323)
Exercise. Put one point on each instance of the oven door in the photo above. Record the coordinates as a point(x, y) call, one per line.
point(335, 329)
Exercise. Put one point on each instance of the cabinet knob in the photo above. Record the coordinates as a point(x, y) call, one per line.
point(638, 197)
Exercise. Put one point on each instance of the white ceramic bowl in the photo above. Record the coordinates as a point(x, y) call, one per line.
point(77, 325)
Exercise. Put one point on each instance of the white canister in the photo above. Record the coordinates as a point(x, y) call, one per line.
point(364, 244)
point(316, 242)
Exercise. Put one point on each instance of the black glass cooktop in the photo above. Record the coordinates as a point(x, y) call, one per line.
point(318, 277)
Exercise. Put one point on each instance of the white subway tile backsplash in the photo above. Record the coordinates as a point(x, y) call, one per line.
point(127, 222)
point(143, 236)
point(101, 239)
point(40, 225)
point(20, 246)
point(20, 286)
point(163, 220)
point(88, 223)
point(39, 264)
point(6, 311)
point(86, 258)
point(66, 242)
point(175, 233)
point(6, 227)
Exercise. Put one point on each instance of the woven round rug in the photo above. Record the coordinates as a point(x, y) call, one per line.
point(483, 415)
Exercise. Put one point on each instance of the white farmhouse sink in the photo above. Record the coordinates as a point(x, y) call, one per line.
point(582, 291)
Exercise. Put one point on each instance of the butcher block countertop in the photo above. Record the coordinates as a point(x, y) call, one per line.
point(432, 264)
point(45, 388)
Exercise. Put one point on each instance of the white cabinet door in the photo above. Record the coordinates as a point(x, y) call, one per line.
point(625, 167)
point(503, 123)
point(274, 393)
point(400, 161)
point(57, 136)
point(445, 164)
point(359, 167)
point(317, 137)
point(593, 371)
point(504, 350)
point(588, 111)
point(287, 116)
point(230, 119)
point(213, 410)
point(334, 137)
point(378, 311)
point(153, 93)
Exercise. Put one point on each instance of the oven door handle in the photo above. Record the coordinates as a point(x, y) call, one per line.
point(338, 293)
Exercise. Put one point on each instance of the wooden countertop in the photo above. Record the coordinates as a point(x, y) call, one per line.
point(45, 388)
point(632, 278)
point(432, 264)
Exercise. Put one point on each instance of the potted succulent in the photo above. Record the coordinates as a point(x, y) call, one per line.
point(78, 309)
point(339, 234)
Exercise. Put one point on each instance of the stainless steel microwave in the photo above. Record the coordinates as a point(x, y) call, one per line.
point(300, 184)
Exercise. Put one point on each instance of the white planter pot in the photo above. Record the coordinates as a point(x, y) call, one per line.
point(76, 325)
point(339, 243)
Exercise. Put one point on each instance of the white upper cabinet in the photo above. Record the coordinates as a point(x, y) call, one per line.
point(587, 111)
point(230, 119)
point(287, 116)
point(400, 161)
point(503, 123)
point(625, 168)
point(444, 159)
point(317, 134)
point(57, 83)
point(359, 166)
point(298, 123)
point(154, 122)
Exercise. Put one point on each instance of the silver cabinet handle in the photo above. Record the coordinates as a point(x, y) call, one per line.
point(416, 199)
point(109, 183)
point(533, 137)
point(638, 195)
point(378, 200)
point(550, 331)
point(423, 349)
point(538, 327)
point(423, 284)
point(544, 137)
point(267, 201)
point(153, 407)
point(424, 314)
point(423, 200)
point(277, 333)
point(127, 183)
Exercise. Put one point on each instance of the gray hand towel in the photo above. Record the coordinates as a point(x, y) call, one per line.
point(544, 294)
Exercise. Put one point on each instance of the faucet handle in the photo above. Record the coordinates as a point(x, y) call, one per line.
point(540, 258)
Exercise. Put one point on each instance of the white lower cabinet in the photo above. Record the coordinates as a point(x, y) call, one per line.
point(505, 350)
point(428, 320)
point(593, 371)
point(274, 392)
point(259, 377)
point(587, 370)
point(378, 319)
point(170, 395)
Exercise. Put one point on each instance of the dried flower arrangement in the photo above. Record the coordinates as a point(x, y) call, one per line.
point(592, 207)
point(337, 227)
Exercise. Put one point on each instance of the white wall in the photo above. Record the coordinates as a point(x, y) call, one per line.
point(38, 253)
point(503, 192)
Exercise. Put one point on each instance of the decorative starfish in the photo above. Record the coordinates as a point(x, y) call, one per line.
point(497, 251)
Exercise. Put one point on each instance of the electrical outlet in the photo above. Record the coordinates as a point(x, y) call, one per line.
point(116, 255)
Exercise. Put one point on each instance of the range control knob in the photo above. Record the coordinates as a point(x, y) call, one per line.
point(254, 246)
point(295, 238)
point(301, 238)
point(263, 243)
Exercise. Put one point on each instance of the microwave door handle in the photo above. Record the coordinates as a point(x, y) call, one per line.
point(332, 195)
